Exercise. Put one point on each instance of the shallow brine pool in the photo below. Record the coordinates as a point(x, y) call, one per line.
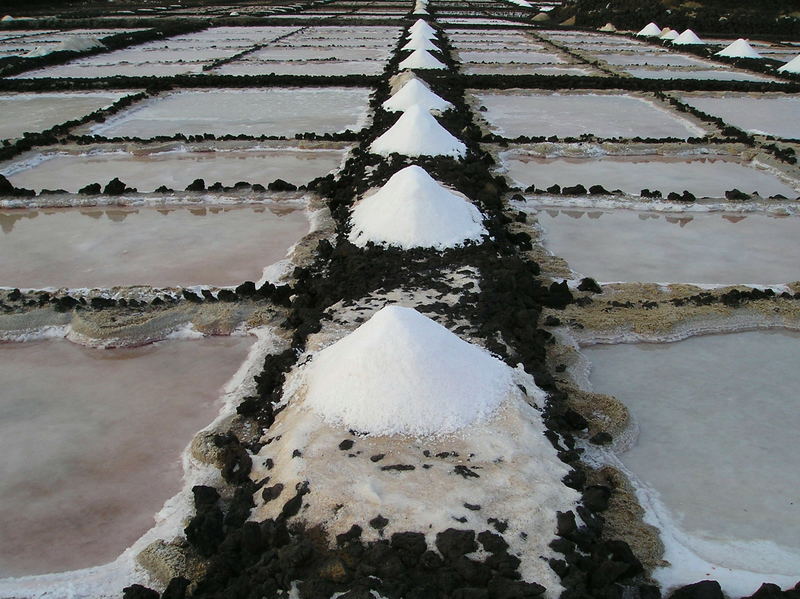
point(91, 442)
point(702, 176)
point(148, 170)
point(105, 247)
point(564, 115)
point(32, 113)
point(715, 458)
point(256, 112)
point(777, 115)
point(632, 245)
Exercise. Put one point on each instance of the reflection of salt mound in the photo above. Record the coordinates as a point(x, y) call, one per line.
point(420, 43)
point(421, 59)
point(608, 28)
point(413, 210)
point(687, 38)
point(739, 49)
point(417, 133)
point(415, 93)
point(421, 27)
point(670, 34)
point(793, 66)
point(650, 30)
point(402, 373)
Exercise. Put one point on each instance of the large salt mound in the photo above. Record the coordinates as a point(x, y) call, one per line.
point(687, 38)
point(412, 210)
point(739, 49)
point(417, 133)
point(421, 59)
point(400, 373)
point(793, 66)
point(670, 34)
point(421, 27)
point(650, 30)
point(415, 93)
point(420, 43)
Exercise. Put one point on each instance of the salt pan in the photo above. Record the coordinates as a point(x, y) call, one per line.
point(415, 93)
point(417, 133)
point(413, 210)
point(401, 373)
point(739, 49)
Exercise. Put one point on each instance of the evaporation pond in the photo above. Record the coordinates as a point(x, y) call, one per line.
point(768, 114)
point(20, 113)
point(92, 442)
point(701, 247)
point(104, 247)
point(255, 112)
point(605, 115)
point(719, 425)
point(704, 176)
point(146, 171)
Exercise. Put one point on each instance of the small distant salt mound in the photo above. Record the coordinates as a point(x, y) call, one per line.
point(415, 93)
point(608, 28)
point(420, 43)
point(670, 34)
point(739, 49)
point(413, 210)
point(650, 30)
point(73, 44)
point(401, 373)
point(417, 133)
point(7, 19)
point(521, 3)
point(421, 59)
point(793, 66)
point(541, 17)
point(687, 38)
point(421, 27)
point(233, 14)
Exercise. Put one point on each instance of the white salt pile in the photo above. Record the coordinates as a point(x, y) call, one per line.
point(417, 133)
point(421, 43)
point(650, 30)
point(420, 35)
point(421, 59)
point(739, 49)
point(7, 19)
point(670, 34)
point(793, 66)
point(413, 210)
point(687, 38)
point(423, 27)
point(73, 44)
point(521, 3)
point(401, 373)
point(415, 93)
point(608, 28)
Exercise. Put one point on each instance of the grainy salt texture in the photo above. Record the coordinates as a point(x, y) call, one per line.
point(413, 210)
point(401, 373)
point(417, 133)
point(415, 93)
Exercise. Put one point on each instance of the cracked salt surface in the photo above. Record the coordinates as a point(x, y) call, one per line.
point(94, 247)
point(92, 443)
point(631, 245)
point(715, 460)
